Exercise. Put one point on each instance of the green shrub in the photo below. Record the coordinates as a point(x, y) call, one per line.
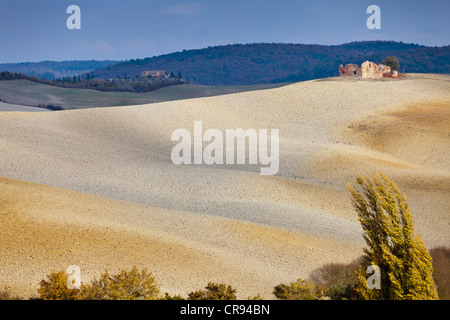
point(391, 62)
point(167, 296)
point(335, 274)
point(340, 292)
point(55, 288)
point(339, 278)
point(214, 291)
point(300, 290)
point(126, 285)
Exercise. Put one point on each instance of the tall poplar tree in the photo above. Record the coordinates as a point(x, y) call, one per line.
point(405, 264)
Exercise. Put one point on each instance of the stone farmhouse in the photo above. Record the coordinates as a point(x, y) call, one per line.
point(369, 70)
point(161, 74)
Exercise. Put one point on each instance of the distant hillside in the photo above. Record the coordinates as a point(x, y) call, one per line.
point(145, 84)
point(54, 69)
point(30, 93)
point(272, 63)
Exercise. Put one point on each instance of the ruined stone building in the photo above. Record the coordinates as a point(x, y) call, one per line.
point(368, 70)
point(349, 70)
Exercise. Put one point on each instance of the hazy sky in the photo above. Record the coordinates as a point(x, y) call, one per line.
point(32, 30)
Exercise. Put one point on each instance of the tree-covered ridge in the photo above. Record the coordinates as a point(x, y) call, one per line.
point(275, 62)
point(125, 84)
point(257, 63)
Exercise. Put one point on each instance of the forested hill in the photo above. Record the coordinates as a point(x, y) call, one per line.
point(271, 63)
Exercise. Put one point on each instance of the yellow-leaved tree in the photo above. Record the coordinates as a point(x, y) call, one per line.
point(403, 260)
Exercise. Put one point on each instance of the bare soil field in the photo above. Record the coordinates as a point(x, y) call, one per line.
point(97, 187)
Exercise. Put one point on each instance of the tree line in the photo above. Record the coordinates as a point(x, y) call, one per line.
point(88, 81)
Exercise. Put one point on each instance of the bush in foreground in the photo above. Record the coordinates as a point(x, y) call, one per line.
point(167, 296)
point(214, 291)
point(126, 285)
point(340, 279)
point(301, 290)
point(55, 287)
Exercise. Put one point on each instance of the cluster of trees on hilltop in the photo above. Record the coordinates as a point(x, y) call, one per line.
point(125, 84)
point(6, 75)
point(273, 63)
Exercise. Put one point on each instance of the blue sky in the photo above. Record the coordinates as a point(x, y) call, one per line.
point(119, 30)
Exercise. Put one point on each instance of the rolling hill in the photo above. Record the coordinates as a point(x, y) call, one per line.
point(97, 187)
point(30, 93)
